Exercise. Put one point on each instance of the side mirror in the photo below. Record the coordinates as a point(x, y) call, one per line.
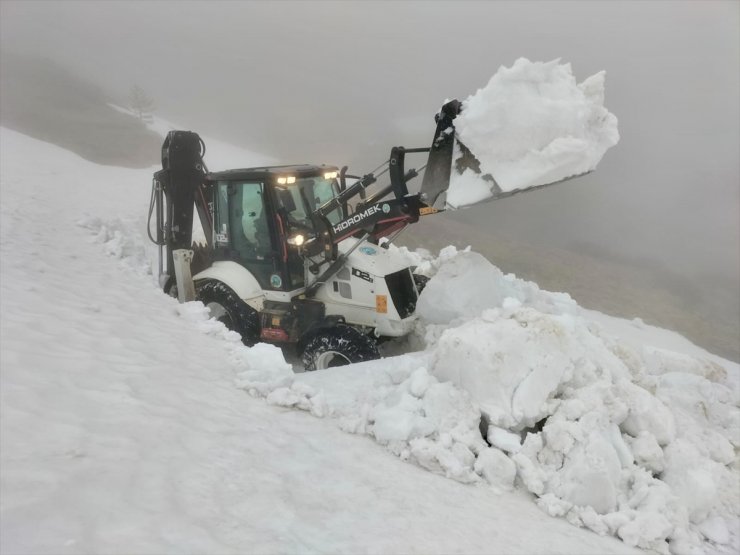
point(324, 243)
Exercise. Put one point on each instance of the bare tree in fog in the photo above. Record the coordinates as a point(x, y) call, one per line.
point(141, 103)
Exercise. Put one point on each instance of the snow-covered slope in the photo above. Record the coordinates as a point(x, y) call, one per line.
point(122, 428)
point(220, 155)
point(125, 426)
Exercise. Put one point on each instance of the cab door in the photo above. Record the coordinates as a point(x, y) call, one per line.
point(243, 229)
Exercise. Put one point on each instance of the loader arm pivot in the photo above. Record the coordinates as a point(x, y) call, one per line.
point(378, 217)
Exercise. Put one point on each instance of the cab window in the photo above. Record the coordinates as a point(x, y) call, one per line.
point(242, 226)
point(307, 194)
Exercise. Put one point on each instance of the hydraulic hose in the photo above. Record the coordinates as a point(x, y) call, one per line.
point(152, 202)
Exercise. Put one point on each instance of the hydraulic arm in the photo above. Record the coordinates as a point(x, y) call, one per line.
point(380, 217)
point(176, 189)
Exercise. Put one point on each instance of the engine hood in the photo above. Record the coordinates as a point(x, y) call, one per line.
point(373, 259)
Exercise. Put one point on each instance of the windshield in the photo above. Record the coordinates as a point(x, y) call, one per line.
point(304, 196)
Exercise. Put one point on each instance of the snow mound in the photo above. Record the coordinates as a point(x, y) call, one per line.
point(531, 125)
point(638, 444)
point(431, 423)
point(635, 443)
point(467, 284)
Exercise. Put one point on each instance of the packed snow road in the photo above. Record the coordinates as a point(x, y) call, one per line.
point(123, 431)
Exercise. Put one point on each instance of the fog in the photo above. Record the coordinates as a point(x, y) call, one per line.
point(341, 82)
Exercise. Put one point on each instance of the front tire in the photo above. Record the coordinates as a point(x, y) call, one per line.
point(338, 346)
point(226, 307)
point(421, 282)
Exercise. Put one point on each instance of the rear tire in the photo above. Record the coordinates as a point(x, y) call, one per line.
point(226, 307)
point(170, 287)
point(338, 346)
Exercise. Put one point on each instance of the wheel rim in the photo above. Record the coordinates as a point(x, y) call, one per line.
point(331, 359)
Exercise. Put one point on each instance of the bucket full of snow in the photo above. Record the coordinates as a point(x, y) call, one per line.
point(531, 125)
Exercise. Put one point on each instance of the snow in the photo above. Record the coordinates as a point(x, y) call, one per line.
point(129, 419)
point(531, 125)
point(467, 188)
point(624, 437)
point(638, 440)
point(125, 420)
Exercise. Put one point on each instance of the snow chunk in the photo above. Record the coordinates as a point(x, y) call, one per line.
point(460, 288)
point(590, 474)
point(647, 452)
point(504, 439)
point(647, 413)
point(498, 469)
point(532, 124)
point(511, 364)
point(465, 284)
point(715, 529)
point(419, 419)
point(691, 477)
point(645, 530)
point(467, 188)
point(262, 369)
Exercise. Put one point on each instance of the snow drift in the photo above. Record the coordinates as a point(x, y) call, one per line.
point(532, 125)
point(639, 443)
point(636, 443)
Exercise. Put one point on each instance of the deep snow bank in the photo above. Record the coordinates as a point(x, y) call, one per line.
point(532, 124)
point(637, 443)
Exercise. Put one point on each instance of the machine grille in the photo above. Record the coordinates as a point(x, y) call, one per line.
point(402, 290)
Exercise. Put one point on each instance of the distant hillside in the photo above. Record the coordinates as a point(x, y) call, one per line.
point(598, 281)
point(43, 100)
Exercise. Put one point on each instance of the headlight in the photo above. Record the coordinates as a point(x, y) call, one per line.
point(296, 240)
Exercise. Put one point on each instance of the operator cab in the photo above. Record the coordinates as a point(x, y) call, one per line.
point(261, 216)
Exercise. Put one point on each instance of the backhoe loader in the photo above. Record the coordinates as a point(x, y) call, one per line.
point(293, 254)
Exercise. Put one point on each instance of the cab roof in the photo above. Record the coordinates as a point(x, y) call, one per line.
point(265, 173)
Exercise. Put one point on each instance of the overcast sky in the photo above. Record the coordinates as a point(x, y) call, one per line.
point(341, 82)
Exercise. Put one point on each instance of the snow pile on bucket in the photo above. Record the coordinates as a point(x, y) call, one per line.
point(531, 125)
point(639, 445)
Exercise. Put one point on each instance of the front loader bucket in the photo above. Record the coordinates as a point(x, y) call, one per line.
point(439, 165)
point(442, 167)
